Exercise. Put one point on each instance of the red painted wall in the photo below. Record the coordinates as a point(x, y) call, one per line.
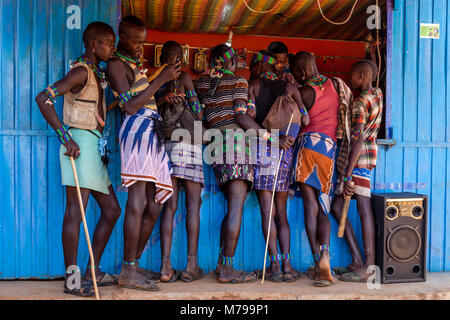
point(334, 58)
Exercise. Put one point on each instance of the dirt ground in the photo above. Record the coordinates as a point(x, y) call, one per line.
point(437, 286)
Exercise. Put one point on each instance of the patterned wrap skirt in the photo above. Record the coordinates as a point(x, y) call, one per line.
point(266, 166)
point(142, 157)
point(236, 163)
point(186, 160)
point(314, 165)
point(361, 179)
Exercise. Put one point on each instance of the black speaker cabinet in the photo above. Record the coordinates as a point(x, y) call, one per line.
point(401, 234)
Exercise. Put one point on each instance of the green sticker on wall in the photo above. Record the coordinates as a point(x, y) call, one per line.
point(429, 30)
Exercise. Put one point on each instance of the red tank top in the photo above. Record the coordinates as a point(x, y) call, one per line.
point(323, 115)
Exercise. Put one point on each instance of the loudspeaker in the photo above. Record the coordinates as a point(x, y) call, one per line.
point(401, 233)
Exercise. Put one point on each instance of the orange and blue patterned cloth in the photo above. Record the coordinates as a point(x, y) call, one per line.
point(314, 160)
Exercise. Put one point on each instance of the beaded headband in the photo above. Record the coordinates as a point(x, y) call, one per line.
point(228, 55)
point(263, 58)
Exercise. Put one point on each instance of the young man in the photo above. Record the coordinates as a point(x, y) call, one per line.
point(224, 94)
point(145, 166)
point(355, 164)
point(281, 52)
point(314, 159)
point(187, 166)
point(264, 91)
point(84, 118)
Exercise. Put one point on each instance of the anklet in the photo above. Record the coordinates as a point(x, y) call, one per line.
point(228, 261)
point(129, 263)
point(316, 257)
point(274, 257)
point(286, 256)
point(324, 247)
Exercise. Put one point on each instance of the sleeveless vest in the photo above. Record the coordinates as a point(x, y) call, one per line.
point(81, 109)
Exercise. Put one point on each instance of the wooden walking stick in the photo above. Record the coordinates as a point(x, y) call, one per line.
point(86, 231)
point(344, 213)
point(271, 204)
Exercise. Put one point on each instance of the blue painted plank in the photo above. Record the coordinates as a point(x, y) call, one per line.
point(39, 192)
point(7, 67)
point(11, 246)
point(438, 87)
point(397, 74)
point(447, 215)
point(39, 168)
point(424, 178)
point(410, 76)
point(410, 170)
point(424, 76)
point(437, 213)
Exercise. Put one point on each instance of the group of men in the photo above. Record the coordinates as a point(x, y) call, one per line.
point(305, 123)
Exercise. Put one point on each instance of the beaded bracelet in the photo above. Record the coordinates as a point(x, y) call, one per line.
point(347, 179)
point(195, 105)
point(240, 109)
point(52, 92)
point(251, 105)
point(356, 133)
point(125, 97)
point(191, 93)
point(304, 111)
point(63, 134)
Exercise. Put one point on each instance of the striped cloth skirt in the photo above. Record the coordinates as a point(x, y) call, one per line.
point(361, 179)
point(266, 166)
point(186, 160)
point(142, 156)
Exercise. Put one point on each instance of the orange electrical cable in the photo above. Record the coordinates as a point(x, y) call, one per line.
point(337, 23)
point(256, 11)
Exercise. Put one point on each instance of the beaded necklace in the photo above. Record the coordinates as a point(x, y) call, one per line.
point(136, 62)
point(371, 91)
point(318, 80)
point(269, 75)
point(99, 72)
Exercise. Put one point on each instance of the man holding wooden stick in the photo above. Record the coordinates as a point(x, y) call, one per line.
point(354, 165)
point(276, 101)
point(84, 118)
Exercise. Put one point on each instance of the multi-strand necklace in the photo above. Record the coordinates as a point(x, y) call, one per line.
point(139, 65)
point(318, 80)
point(99, 72)
point(269, 75)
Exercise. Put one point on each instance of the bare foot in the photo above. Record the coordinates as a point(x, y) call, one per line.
point(167, 272)
point(323, 268)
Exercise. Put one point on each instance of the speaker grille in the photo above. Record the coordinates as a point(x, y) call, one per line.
point(404, 243)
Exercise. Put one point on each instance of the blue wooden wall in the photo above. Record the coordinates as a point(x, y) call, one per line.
point(36, 48)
